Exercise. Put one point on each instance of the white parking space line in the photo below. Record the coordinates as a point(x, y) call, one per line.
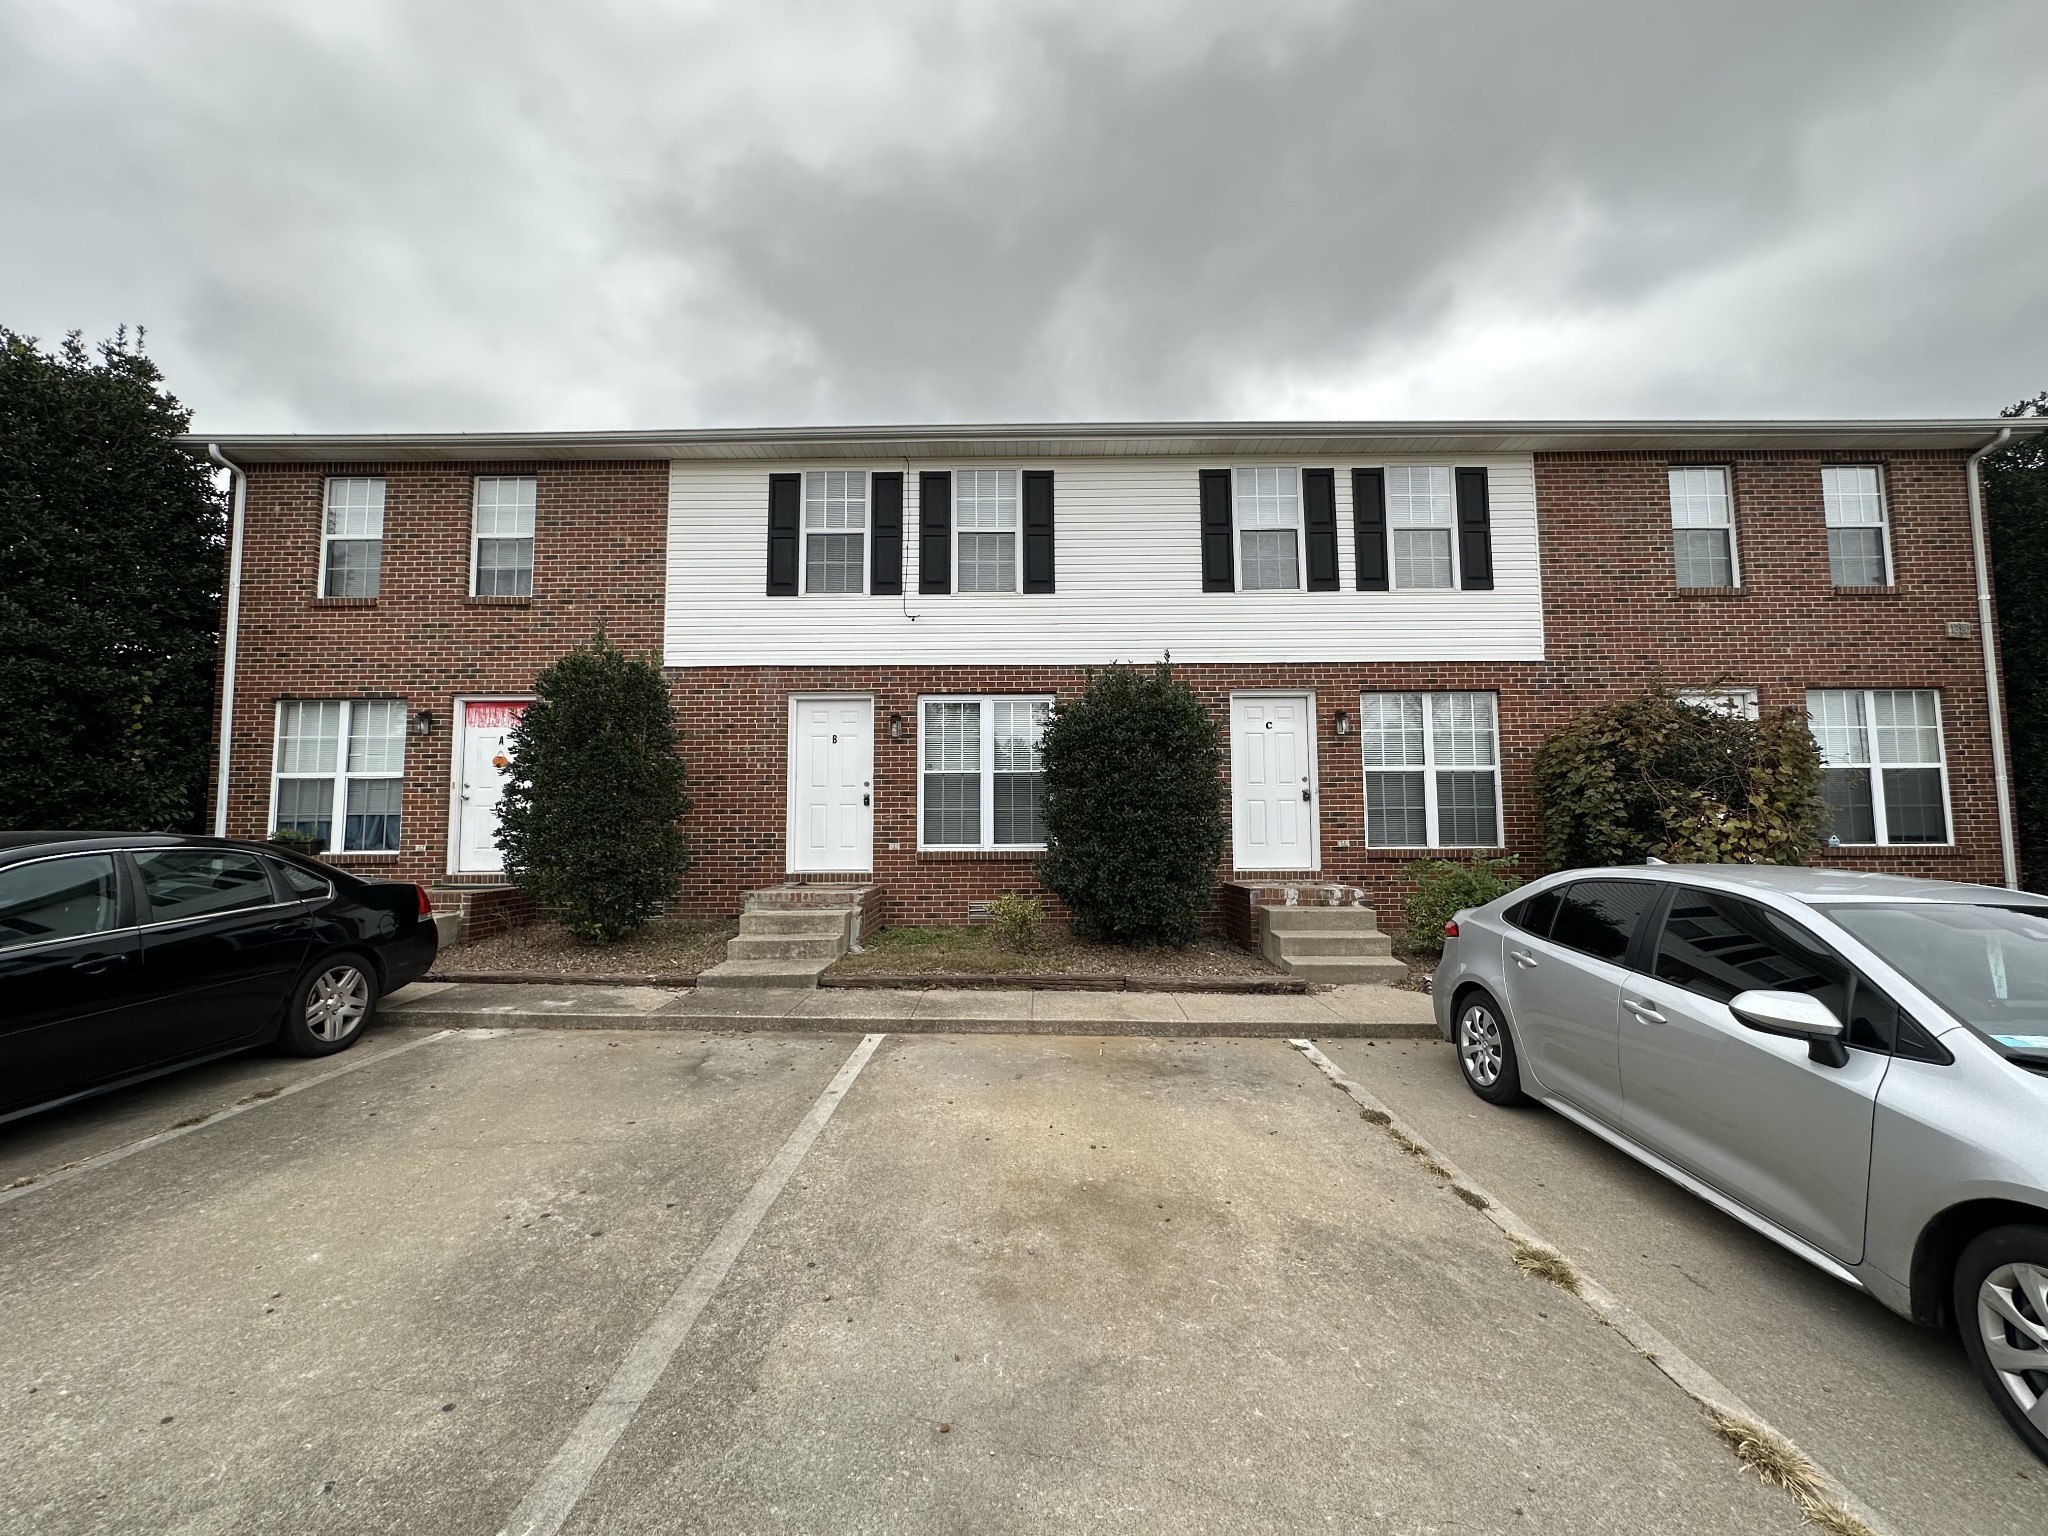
point(355, 1063)
point(1681, 1369)
point(561, 1487)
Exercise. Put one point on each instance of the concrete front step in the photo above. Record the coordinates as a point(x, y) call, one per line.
point(1331, 972)
point(753, 974)
point(777, 946)
point(1307, 946)
point(816, 922)
point(1318, 919)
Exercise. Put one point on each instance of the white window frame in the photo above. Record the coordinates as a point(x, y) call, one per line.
point(866, 531)
point(476, 537)
point(1394, 583)
point(1238, 529)
point(1429, 768)
point(1884, 521)
point(1725, 525)
point(1738, 703)
point(1875, 766)
point(1015, 530)
point(340, 777)
point(987, 702)
point(329, 538)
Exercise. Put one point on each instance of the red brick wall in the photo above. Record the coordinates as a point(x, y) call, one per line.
point(600, 532)
point(1614, 618)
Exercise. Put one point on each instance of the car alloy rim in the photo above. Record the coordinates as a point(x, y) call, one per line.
point(2012, 1313)
point(337, 1002)
point(1479, 1045)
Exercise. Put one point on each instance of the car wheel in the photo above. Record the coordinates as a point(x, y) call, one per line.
point(1486, 1051)
point(2001, 1301)
point(330, 1007)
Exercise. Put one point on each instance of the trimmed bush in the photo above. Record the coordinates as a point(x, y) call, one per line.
point(1442, 888)
point(1134, 807)
point(1651, 777)
point(589, 818)
point(1015, 918)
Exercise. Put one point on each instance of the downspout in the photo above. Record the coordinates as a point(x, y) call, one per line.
point(234, 620)
point(2000, 780)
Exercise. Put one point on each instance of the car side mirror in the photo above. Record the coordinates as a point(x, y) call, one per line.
point(1796, 1016)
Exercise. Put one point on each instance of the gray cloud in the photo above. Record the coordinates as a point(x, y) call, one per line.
point(500, 215)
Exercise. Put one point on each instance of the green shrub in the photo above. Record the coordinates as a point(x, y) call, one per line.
point(1651, 777)
point(592, 800)
point(1015, 918)
point(1134, 807)
point(1442, 888)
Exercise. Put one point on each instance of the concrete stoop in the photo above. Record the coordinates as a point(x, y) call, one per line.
point(1336, 946)
point(783, 946)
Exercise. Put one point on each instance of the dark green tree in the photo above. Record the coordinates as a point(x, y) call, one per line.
point(2016, 525)
point(1651, 777)
point(589, 819)
point(1134, 807)
point(111, 539)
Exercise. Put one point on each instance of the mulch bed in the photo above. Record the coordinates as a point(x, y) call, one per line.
point(667, 952)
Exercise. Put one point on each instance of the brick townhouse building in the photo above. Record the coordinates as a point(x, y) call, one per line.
point(863, 629)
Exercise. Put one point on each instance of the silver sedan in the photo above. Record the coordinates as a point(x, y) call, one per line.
point(1854, 1065)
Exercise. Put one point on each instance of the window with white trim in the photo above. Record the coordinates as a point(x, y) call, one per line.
point(503, 537)
point(1887, 779)
point(1432, 769)
point(352, 538)
point(835, 530)
point(341, 760)
point(1421, 522)
point(1859, 554)
point(985, 528)
point(1702, 526)
point(1267, 507)
point(981, 783)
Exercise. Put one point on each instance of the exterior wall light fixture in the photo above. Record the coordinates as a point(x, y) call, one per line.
point(422, 723)
point(1343, 722)
point(895, 726)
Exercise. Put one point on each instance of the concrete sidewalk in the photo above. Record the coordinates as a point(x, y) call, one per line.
point(1359, 1012)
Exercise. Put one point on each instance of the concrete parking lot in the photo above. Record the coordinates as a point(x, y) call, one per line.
point(1015, 1283)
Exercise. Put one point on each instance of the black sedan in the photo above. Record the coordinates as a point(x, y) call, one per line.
point(124, 954)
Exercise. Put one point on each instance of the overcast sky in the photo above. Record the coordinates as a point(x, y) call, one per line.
point(506, 214)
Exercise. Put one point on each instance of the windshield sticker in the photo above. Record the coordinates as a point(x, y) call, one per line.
point(2024, 1042)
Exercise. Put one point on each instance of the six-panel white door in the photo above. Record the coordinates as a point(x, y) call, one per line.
point(1272, 782)
point(486, 733)
point(831, 789)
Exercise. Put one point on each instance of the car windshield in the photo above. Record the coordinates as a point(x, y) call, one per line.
point(1987, 965)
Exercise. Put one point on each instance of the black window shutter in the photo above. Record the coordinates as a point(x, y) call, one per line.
point(1319, 524)
point(935, 531)
point(1369, 527)
point(1038, 530)
point(1475, 532)
point(1217, 575)
point(785, 534)
point(885, 511)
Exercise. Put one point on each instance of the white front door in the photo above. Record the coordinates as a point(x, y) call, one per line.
point(486, 734)
point(831, 784)
point(1272, 781)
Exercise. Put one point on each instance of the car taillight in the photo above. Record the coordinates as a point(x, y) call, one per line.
point(426, 901)
point(1450, 928)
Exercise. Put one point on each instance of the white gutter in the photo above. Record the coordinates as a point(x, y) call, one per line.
point(2000, 780)
point(234, 622)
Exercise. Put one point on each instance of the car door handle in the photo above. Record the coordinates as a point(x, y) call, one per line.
point(1522, 957)
point(99, 964)
point(1642, 1011)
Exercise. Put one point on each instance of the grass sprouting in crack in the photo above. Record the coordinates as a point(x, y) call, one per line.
point(264, 1093)
point(1421, 1154)
point(1546, 1264)
point(193, 1120)
point(1375, 1117)
point(1471, 1197)
point(1782, 1465)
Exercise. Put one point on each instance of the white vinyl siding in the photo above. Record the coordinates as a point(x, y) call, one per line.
point(1432, 770)
point(1859, 544)
point(1887, 775)
point(835, 530)
point(502, 549)
point(1702, 526)
point(1130, 583)
point(985, 530)
point(980, 781)
point(1266, 506)
point(341, 762)
point(352, 538)
point(1421, 524)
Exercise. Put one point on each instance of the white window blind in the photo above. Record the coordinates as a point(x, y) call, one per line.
point(1432, 769)
point(504, 536)
point(1421, 514)
point(985, 524)
point(1853, 498)
point(982, 783)
point(835, 530)
point(1702, 526)
point(1886, 777)
point(1267, 507)
point(342, 761)
point(352, 538)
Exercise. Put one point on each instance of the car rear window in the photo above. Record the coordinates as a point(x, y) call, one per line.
point(1599, 917)
point(1536, 914)
point(303, 882)
point(58, 899)
point(194, 882)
